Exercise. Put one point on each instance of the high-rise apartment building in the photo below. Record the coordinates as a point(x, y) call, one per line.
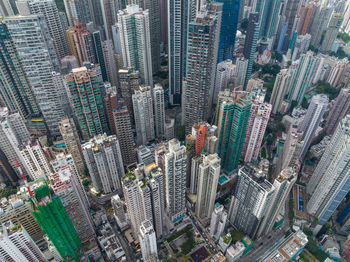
point(13, 132)
point(135, 41)
point(67, 186)
point(16, 245)
point(250, 44)
point(177, 41)
point(129, 80)
point(49, 10)
point(125, 135)
point(331, 31)
point(78, 11)
point(280, 89)
point(18, 210)
point(159, 110)
point(330, 181)
point(148, 241)
point(86, 91)
point(143, 113)
point(36, 51)
point(15, 92)
point(312, 120)
point(81, 44)
point(201, 55)
point(225, 71)
point(144, 198)
point(301, 80)
point(70, 136)
point(99, 53)
point(283, 184)
point(228, 30)
point(232, 124)
point(6, 8)
point(241, 72)
point(175, 180)
point(111, 62)
point(54, 220)
point(104, 160)
point(153, 7)
point(291, 149)
point(269, 19)
point(257, 123)
point(319, 23)
point(111, 104)
point(208, 177)
point(246, 213)
point(34, 160)
point(218, 221)
point(340, 108)
point(119, 212)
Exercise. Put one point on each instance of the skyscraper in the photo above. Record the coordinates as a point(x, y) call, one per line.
point(78, 11)
point(283, 184)
point(34, 160)
point(49, 10)
point(111, 62)
point(159, 110)
point(250, 44)
point(81, 44)
point(31, 36)
point(143, 112)
point(301, 80)
point(148, 242)
point(153, 7)
point(225, 72)
point(241, 72)
point(280, 89)
point(312, 119)
point(71, 139)
point(208, 177)
point(175, 180)
point(13, 132)
point(104, 160)
point(330, 181)
point(257, 123)
point(331, 31)
point(177, 41)
point(129, 80)
point(6, 8)
point(135, 42)
point(144, 198)
point(67, 186)
point(232, 124)
point(86, 92)
point(99, 53)
point(218, 221)
point(125, 135)
point(228, 30)
point(340, 108)
point(111, 103)
point(16, 245)
point(15, 92)
point(54, 220)
point(200, 69)
point(319, 23)
point(269, 19)
point(246, 213)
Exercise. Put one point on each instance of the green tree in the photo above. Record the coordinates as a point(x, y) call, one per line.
point(7, 191)
point(86, 182)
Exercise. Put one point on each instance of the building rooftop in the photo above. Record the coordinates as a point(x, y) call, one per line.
point(288, 249)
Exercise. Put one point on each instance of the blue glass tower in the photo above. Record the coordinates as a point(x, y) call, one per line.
point(228, 31)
